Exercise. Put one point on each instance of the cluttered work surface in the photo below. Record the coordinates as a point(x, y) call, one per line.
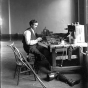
point(67, 44)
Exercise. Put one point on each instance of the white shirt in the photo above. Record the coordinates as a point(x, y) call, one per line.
point(27, 35)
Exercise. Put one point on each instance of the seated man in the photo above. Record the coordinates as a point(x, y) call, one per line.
point(30, 44)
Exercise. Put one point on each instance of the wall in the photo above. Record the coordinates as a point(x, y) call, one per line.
point(81, 11)
point(86, 20)
point(55, 15)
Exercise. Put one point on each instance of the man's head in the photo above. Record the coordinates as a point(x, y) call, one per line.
point(33, 24)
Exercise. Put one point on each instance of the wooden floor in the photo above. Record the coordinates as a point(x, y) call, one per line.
point(7, 70)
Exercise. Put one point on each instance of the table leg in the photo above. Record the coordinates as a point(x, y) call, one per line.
point(53, 58)
point(81, 55)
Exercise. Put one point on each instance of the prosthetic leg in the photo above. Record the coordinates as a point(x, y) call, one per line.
point(64, 79)
point(69, 53)
point(61, 77)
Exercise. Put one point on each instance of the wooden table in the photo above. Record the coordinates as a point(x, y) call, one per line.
point(53, 49)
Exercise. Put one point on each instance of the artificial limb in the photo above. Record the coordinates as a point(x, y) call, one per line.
point(61, 77)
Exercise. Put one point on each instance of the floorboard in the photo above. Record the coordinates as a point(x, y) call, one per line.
point(8, 66)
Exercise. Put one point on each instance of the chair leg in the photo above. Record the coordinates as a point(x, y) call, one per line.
point(15, 71)
point(18, 74)
point(62, 59)
point(35, 77)
point(34, 69)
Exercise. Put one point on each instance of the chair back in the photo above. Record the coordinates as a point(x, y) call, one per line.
point(18, 57)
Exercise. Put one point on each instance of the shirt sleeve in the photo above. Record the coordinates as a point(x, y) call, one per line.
point(27, 35)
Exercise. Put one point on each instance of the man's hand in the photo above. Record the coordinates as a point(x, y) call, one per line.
point(39, 39)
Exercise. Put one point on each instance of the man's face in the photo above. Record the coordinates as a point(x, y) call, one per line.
point(34, 26)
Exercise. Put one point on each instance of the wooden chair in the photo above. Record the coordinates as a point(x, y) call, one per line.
point(20, 67)
point(22, 62)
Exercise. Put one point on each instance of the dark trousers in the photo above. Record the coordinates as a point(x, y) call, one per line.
point(41, 61)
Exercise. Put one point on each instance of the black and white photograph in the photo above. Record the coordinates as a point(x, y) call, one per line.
point(44, 43)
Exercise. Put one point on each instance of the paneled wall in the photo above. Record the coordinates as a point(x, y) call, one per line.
point(81, 11)
point(83, 15)
point(86, 20)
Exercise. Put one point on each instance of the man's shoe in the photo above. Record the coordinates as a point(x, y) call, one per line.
point(51, 76)
point(72, 83)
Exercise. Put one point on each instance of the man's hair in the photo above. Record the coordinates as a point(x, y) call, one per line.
point(32, 22)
